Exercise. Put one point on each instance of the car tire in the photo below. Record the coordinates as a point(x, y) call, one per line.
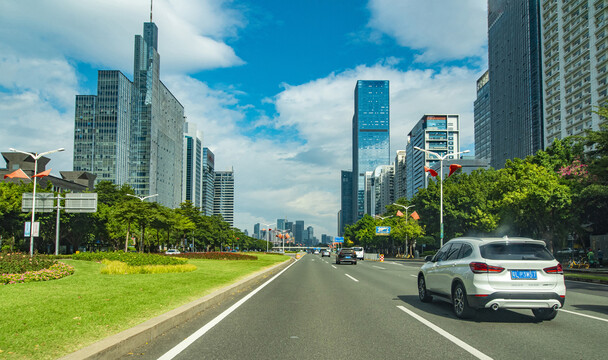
point(423, 294)
point(460, 304)
point(544, 314)
point(355, 263)
point(337, 262)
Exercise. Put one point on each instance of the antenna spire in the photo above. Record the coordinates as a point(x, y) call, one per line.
point(151, 1)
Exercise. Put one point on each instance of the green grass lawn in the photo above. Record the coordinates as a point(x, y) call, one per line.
point(46, 320)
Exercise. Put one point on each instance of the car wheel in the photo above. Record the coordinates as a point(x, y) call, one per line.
point(338, 262)
point(460, 303)
point(544, 314)
point(423, 294)
point(355, 263)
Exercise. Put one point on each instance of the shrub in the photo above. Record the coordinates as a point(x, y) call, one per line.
point(133, 259)
point(55, 271)
point(217, 256)
point(18, 263)
point(120, 268)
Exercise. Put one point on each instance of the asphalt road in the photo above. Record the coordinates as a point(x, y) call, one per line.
point(316, 309)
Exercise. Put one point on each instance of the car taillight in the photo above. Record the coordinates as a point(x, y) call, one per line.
point(554, 269)
point(479, 267)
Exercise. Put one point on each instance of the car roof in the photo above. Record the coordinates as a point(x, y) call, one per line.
point(487, 240)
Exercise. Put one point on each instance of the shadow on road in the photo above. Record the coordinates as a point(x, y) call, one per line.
point(603, 309)
point(441, 308)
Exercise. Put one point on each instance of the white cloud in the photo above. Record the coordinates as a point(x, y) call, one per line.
point(94, 32)
point(440, 29)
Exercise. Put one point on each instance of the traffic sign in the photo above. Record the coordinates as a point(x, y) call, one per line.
point(339, 239)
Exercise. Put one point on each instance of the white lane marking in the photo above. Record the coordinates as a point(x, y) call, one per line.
point(331, 266)
point(352, 278)
point(394, 263)
point(478, 354)
point(414, 275)
point(378, 267)
point(585, 315)
point(200, 332)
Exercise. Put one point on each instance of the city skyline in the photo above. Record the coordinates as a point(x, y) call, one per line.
point(259, 79)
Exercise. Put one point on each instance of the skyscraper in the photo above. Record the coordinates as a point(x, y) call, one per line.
point(371, 136)
point(132, 132)
point(437, 133)
point(575, 66)
point(514, 57)
point(400, 181)
point(192, 182)
point(346, 198)
point(208, 191)
point(223, 200)
point(482, 123)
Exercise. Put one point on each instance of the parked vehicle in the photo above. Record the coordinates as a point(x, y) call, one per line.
point(346, 255)
point(172, 252)
point(497, 273)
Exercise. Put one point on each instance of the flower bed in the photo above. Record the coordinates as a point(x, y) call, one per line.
point(55, 271)
point(18, 263)
point(132, 259)
point(217, 256)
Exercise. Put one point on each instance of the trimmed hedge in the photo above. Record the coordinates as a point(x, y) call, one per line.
point(132, 259)
point(217, 256)
point(120, 268)
point(18, 263)
point(55, 271)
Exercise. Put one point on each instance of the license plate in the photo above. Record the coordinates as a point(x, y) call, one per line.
point(523, 274)
point(347, 257)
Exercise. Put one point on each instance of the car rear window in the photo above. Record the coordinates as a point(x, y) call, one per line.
point(358, 249)
point(515, 251)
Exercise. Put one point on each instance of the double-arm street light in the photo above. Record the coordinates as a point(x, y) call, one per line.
point(35, 156)
point(267, 234)
point(142, 198)
point(440, 158)
point(405, 207)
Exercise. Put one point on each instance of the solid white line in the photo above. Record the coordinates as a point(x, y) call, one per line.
point(200, 332)
point(352, 278)
point(331, 266)
point(585, 315)
point(478, 354)
point(414, 275)
point(378, 267)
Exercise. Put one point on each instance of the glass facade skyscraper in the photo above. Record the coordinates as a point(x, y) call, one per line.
point(192, 182)
point(208, 192)
point(482, 123)
point(514, 57)
point(371, 136)
point(223, 200)
point(132, 132)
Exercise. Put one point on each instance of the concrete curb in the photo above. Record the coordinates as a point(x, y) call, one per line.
point(117, 345)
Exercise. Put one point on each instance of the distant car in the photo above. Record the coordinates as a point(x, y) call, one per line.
point(494, 273)
point(316, 252)
point(359, 251)
point(172, 252)
point(325, 253)
point(346, 255)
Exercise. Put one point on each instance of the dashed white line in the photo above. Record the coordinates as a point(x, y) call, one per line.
point(200, 332)
point(334, 267)
point(478, 354)
point(378, 267)
point(414, 275)
point(352, 278)
point(585, 315)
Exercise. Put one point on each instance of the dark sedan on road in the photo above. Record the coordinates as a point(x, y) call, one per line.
point(346, 255)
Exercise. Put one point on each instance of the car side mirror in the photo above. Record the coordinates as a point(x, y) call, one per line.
point(428, 258)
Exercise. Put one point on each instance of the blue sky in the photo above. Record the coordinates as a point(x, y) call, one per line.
point(269, 82)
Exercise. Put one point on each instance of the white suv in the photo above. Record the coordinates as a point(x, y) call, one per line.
point(359, 251)
point(497, 273)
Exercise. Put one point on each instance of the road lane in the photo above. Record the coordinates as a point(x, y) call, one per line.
point(314, 310)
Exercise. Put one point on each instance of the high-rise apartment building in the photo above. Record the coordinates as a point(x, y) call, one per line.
point(575, 64)
point(482, 123)
point(192, 182)
point(132, 132)
point(514, 58)
point(208, 182)
point(384, 178)
point(223, 199)
point(400, 175)
point(437, 133)
point(371, 136)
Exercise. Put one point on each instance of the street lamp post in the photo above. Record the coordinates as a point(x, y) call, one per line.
point(440, 158)
point(405, 207)
point(35, 156)
point(267, 234)
point(142, 198)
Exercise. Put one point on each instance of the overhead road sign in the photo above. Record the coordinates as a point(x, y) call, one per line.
point(81, 202)
point(339, 239)
point(45, 202)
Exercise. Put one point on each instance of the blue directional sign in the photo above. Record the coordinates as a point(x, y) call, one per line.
point(383, 230)
point(339, 239)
